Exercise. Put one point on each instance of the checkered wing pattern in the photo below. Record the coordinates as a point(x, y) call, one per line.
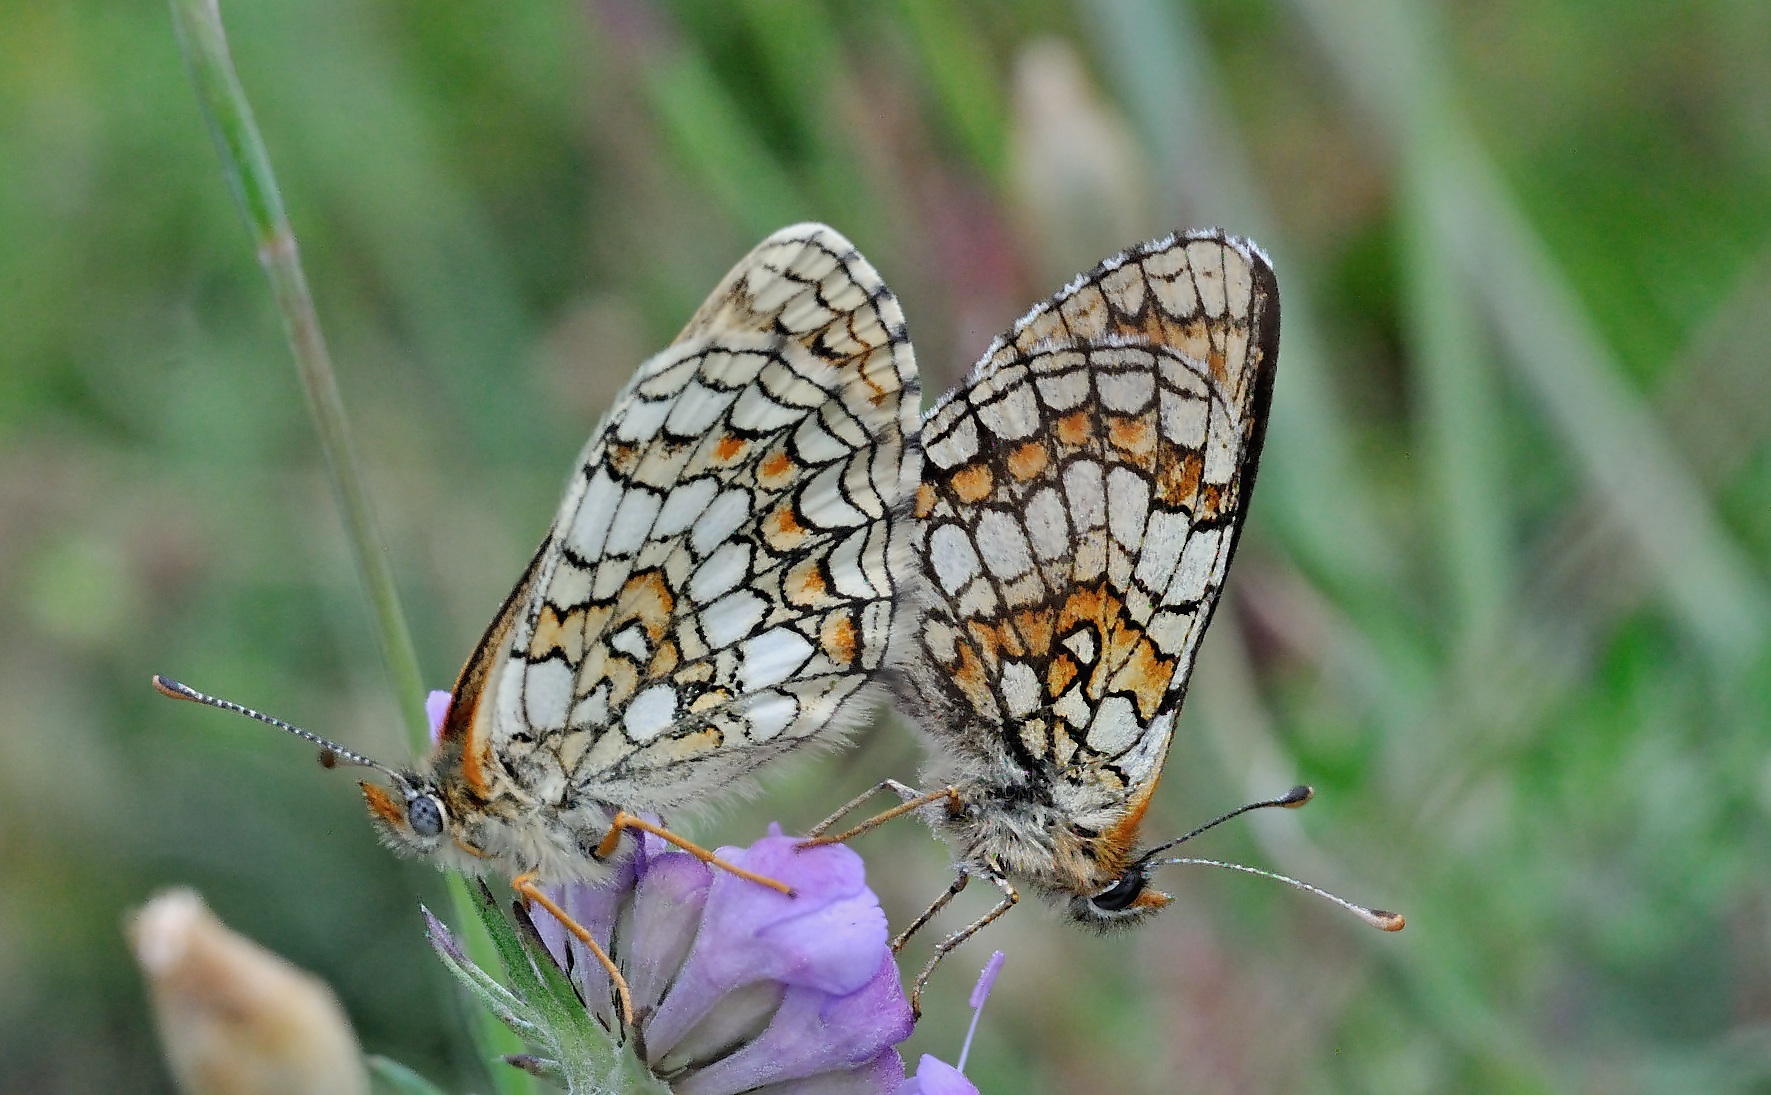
point(1082, 496)
point(719, 583)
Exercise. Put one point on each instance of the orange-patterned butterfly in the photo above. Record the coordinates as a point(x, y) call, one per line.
point(1081, 498)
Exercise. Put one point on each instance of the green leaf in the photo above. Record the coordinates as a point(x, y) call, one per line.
point(493, 1038)
point(525, 979)
point(583, 1051)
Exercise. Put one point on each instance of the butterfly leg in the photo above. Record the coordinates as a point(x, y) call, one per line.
point(945, 946)
point(902, 790)
point(913, 799)
point(959, 883)
point(625, 820)
point(525, 885)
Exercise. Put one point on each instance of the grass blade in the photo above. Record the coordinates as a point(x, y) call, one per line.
point(248, 169)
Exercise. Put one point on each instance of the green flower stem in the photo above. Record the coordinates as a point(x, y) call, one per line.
point(248, 169)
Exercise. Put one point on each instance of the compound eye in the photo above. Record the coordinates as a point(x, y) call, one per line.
point(425, 814)
point(1122, 893)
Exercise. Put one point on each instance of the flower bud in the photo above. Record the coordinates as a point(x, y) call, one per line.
point(235, 1019)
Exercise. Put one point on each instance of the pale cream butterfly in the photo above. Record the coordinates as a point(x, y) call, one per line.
point(718, 587)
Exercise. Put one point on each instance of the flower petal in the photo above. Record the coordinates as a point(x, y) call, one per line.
point(880, 1076)
point(667, 909)
point(596, 909)
point(814, 1033)
point(231, 1015)
point(827, 937)
point(436, 708)
point(936, 1077)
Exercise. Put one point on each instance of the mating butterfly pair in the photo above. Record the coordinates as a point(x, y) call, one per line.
point(761, 532)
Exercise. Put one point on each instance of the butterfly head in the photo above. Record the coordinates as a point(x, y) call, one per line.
point(1109, 882)
point(410, 817)
point(1126, 900)
point(1127, 897)
point(1094, 874)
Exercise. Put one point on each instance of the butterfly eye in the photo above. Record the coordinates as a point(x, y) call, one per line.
point(1122, 893)
point(425, 814)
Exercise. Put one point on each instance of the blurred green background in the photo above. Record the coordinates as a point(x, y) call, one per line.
point(1504, 599)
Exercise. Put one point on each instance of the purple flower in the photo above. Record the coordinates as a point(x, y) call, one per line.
point(436, 708)
point(736, 988)
point(936, 1077)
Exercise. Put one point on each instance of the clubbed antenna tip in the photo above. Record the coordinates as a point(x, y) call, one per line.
point(1291, 800)
point(1377, 918)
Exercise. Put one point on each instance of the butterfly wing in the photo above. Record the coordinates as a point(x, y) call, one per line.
point(1082, 497)
point(719, 582)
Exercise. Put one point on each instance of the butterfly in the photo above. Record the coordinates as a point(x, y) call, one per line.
point(1081, 497)
point(719, 585)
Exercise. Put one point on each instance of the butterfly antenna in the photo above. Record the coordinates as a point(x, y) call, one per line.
point(1291, 800)
point(1377, 918)
point(330, 752)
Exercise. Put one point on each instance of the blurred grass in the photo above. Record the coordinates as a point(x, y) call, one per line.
point(1503, 600)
